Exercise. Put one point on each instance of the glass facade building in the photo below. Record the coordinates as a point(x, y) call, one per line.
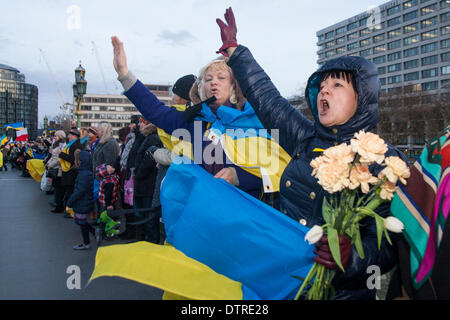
point(408, 40)
point(18, 101)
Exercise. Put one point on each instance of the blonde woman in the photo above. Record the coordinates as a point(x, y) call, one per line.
point(216, 79)
point(107, 149)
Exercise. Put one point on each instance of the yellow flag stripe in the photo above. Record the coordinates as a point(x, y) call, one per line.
point(166, 268)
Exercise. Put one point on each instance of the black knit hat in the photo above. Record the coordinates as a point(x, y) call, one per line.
point(74, 131)
point(135, 118)
point(183, 85)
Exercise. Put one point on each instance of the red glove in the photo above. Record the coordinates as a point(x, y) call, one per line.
point(227, 32)
point(324, 256)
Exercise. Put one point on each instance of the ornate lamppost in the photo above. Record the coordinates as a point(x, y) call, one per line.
point(79, 90)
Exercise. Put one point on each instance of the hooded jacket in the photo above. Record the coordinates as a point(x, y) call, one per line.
point(301, 197)
point(81, 200)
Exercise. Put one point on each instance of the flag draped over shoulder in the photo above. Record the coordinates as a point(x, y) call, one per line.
point(65, 165)
point(239, 241)
point(423, 205)
point(174, 144)
point(244, 140)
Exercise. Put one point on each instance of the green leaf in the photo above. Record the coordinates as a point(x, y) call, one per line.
point(326, 210)
point(333, 242)
point(380, 228)
point(386, 233)
point(357, 241)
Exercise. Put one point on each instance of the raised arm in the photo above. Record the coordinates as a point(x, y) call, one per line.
point(162, 116)
point(273, 110)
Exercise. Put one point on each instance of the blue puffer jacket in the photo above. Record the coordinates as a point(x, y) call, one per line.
point(82, 200)
point(301, 196)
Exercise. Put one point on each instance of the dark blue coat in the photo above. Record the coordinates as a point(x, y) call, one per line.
point(169, 119)
point(301, 197)
point(82, 200)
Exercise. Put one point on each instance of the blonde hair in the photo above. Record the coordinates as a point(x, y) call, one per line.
point(106, 129)
point(217, 64)
point(83, 132)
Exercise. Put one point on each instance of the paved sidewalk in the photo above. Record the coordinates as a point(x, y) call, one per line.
point(36, 250)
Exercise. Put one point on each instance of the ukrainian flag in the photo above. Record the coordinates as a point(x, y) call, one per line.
point(15, 126)
point(3, 140)
point(225, 244)
point(244, 140)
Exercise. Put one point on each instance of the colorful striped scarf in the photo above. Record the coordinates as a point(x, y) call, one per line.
point(423, 205)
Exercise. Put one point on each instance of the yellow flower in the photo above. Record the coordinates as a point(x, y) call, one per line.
point(396, 169)
point(387, 190)
point(369, 146)
point(361, 176)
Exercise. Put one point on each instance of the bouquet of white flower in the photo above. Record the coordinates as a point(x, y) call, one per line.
point(345, 169)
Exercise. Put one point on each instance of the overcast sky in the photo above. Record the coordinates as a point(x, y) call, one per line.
point(163, 39)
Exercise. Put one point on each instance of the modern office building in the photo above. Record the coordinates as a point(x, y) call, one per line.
point(18, 101)
point(116, 109)
point(408, 40)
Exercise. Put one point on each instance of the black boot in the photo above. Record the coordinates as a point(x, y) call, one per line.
point(58, 210)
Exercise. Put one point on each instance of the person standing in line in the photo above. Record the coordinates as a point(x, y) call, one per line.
point(81, 200)
point(69, 172)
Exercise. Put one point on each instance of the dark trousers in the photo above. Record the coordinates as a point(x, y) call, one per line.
point(86, 228)
point(59, 192)
point(148, 231)
point(68, 190)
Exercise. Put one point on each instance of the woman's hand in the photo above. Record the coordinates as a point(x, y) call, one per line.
point(324, 256)
point(120, 59)
point(228, 33)
point(226, 174)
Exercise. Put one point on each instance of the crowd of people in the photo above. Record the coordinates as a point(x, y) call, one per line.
point(93, 172)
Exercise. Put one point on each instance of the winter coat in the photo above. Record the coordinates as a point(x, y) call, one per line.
point(145, 167)
point(132, 154)
point(105, 153)
point(301, 197)
point(53, 162)
point(82, 200)
point(170, 119)
point(68, 178)
point(108, 188)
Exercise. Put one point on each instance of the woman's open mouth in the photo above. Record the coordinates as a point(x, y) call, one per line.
point(324, 106)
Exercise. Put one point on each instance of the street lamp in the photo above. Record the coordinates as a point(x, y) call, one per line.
point(79, 90)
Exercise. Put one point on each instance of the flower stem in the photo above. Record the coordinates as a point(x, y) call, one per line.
point(310, 275)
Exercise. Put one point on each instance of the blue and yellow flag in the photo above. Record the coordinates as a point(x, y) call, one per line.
point(244, 140)
point(15, 126)
point(3, 140)
point(232, 245)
